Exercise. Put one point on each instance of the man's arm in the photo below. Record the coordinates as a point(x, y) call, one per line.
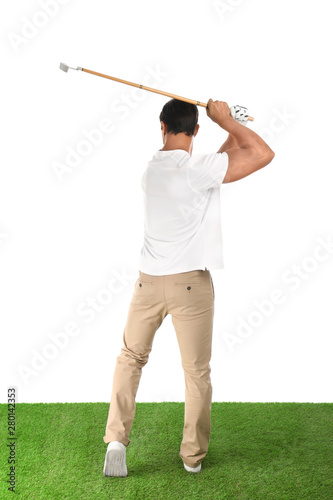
point(246, 150)
point(230, 143)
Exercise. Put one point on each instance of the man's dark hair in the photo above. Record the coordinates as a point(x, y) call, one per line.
point(180, 116)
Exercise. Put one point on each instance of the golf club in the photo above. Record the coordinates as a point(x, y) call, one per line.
point(239, 113)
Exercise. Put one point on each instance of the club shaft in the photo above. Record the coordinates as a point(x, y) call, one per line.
point(150, 89)
point(162, 92)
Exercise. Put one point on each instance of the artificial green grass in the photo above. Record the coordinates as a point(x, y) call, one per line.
point(256, 451)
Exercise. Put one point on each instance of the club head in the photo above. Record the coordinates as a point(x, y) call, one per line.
point(64, 67)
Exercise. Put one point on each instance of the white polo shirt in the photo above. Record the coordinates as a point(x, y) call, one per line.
point(182, 213)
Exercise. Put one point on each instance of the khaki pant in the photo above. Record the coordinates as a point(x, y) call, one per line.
point(189, 298)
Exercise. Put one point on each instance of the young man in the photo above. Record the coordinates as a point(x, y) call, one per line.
point(182, 242)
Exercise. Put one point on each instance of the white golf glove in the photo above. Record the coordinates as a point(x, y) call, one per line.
point(240, 114)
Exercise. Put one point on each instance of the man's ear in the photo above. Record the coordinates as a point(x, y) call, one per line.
point(196, 129)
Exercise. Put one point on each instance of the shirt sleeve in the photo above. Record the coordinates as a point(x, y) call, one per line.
point(207, 171)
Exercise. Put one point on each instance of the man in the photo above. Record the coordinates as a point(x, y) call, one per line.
point(182, 242)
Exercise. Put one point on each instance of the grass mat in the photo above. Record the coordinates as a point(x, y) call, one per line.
point(256, 451)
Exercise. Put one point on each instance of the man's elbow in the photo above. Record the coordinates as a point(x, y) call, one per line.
point(266, 156)
point(262, 158)
point(262, 155)
point(270, 154)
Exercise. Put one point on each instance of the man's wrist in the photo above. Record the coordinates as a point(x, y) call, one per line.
point(226, 123)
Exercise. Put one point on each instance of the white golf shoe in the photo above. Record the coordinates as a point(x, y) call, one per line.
point(192, 469)
point(115, 460)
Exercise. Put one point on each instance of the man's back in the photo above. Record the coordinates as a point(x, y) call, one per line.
point(182, 221)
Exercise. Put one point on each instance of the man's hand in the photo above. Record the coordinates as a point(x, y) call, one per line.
point(219, 112)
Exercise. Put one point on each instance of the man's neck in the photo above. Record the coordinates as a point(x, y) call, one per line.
point(176, 142)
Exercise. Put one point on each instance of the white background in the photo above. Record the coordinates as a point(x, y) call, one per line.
point(64, 238)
